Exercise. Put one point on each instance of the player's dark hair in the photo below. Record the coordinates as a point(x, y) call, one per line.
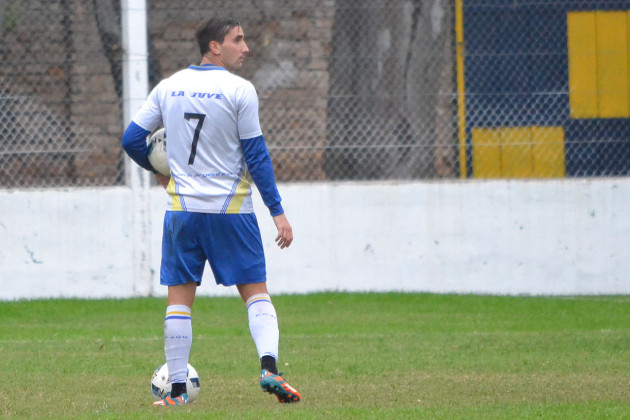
point(215, 29)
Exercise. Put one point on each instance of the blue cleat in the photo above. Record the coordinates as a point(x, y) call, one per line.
point(275, 384)
point(181, 400)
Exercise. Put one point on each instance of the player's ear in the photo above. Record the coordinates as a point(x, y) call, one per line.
point(214, 47)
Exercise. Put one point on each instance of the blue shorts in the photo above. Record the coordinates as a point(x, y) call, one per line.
point(231, 243)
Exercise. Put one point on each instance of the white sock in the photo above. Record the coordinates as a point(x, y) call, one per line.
point(263, 324)
point(177, 341)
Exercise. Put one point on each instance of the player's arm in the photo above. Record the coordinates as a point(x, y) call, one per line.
point(134, 142)
point(148, 117)
point(259, 163)
point(261, 169)
point(254, 148)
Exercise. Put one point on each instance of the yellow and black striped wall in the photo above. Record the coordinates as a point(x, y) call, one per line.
point(544, 88)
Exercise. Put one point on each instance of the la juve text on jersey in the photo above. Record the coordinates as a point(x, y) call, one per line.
point(200, 95)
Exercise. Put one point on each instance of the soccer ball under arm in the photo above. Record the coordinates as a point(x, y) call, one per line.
point(157, 152)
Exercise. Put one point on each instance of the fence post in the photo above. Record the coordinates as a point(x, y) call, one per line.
point(135, 90)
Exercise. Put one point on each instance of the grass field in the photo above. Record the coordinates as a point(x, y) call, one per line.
point(364, 356)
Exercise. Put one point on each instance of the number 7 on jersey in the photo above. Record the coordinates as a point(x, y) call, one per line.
point(199, 117)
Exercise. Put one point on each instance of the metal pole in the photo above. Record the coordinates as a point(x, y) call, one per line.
point(135, 91)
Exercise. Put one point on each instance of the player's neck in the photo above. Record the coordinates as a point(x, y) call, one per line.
point(211, 60)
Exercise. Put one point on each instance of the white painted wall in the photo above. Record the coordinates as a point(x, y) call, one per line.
point(564, 237)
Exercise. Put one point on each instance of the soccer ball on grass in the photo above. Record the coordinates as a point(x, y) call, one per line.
point(157, 152)
point(161, 386)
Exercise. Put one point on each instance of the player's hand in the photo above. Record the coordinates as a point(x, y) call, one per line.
point(285, 233)
point(163, 179)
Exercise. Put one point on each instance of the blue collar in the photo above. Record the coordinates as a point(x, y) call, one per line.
point(206, 67)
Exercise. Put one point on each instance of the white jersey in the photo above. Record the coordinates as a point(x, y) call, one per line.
point(206, 111)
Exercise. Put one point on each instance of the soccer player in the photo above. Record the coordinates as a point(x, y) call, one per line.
point(214, 140)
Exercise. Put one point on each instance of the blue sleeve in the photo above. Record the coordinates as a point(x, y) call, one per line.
point(260, 167)
point(134, 142)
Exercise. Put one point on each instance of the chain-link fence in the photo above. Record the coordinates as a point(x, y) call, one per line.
point(60, 116)
point(349, 89)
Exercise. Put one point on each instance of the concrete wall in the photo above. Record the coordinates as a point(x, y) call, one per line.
point(564, 237)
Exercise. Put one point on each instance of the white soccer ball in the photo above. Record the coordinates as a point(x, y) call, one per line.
point(157, 152)
point(161, 386)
